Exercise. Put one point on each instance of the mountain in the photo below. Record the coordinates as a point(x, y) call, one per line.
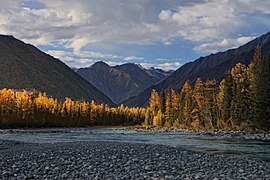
point(122, 81)
point(24, 66)
point(214, 66)
point(158, 73)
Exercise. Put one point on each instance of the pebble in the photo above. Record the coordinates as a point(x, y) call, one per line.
point(115, 160)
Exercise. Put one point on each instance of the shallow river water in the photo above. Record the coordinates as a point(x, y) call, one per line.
point(233, 146)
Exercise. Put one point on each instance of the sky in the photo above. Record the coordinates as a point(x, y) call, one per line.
point(161, 33)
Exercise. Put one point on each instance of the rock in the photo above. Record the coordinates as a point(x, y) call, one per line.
point(147, 168)
point(64, 175)
point(198, 175)
point(169, 177)
point(110, 160)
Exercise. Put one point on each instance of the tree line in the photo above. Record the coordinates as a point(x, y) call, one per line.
point(240, 102)
point(25, 109)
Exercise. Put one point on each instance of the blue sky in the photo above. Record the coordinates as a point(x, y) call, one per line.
point(159, 33)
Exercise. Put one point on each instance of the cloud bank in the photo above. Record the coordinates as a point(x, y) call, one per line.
point(76, 26)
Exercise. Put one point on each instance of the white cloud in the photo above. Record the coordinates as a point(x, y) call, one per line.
point(113, 63)
point(79, 43)
point(77, 63)
point(165, 15)
point(221, 45)
point(126, 22)
point(244, 40)
point(129, 58)
point(82, 56)
point(203, 21)
point(87, 58)
point(80, 25)
point(165, 66)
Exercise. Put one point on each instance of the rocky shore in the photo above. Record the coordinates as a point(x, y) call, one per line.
point(216, 133)
point(113, 160)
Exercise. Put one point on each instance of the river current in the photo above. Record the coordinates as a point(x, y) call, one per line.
point(231, 146)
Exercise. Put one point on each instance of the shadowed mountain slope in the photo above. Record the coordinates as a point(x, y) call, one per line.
point(122, 81)
point(23, 66)
point(214, 66)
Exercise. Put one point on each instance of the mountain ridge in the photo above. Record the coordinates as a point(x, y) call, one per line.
point(213, 66)
point(121, 81)
point(23, 66)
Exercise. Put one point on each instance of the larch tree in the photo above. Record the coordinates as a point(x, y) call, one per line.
point(163, 101)
point(198, 95)
point(154, 103)
point(187, 103)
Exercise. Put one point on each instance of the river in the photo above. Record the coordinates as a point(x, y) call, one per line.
point(231, 146)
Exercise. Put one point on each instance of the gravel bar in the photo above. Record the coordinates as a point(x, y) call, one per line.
point(114, 160)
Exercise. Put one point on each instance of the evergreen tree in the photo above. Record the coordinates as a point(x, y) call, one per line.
point(265, 119)
point(228, 97)
point(262, 94)
point(210, 111)
point(255, 75)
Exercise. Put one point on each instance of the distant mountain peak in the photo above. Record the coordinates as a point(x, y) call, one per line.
point(140, 66)
point(121, 81)
point(100, 63)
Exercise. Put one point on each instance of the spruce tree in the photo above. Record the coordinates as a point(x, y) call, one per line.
point(255, 73)
point(264, 96)
point(228, 97)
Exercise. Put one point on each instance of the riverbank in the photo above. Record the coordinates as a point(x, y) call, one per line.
point(111, 160)
point(217, 133)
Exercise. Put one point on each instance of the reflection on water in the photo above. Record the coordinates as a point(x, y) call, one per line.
point(236, 146)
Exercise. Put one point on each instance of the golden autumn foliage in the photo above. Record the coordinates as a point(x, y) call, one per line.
point(240, 101)
point(25, 109)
